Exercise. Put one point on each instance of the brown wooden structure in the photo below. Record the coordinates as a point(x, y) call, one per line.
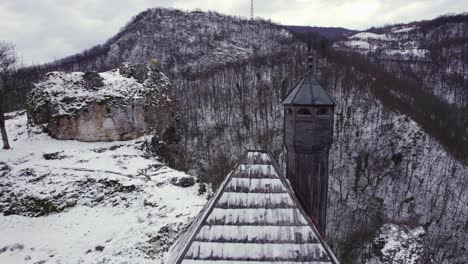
point(308, 134)
point(254, 217)
point(257, 216)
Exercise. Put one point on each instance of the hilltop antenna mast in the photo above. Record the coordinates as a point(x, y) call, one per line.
point(251, 10)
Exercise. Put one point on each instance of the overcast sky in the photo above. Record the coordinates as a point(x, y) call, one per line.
point(44, 30)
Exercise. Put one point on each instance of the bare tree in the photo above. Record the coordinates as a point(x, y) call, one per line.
point(7, 65)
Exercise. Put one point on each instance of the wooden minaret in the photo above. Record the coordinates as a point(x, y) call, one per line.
point(308, 135)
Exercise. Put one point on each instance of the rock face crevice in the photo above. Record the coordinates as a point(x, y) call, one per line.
point(107, 106)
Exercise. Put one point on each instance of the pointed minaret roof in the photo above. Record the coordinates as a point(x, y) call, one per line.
point(254, 217)
point(309, 91)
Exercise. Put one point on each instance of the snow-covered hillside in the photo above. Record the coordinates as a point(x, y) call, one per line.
point(396, 44)
point(432, 52)
point(75, 202)
point(384, 169)
point(184, 42)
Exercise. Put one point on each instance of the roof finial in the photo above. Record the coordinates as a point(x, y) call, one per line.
point(311, 64)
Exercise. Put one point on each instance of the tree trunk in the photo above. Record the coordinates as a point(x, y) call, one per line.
point(6, 144)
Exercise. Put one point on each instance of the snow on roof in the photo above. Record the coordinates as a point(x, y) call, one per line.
point(254, 216)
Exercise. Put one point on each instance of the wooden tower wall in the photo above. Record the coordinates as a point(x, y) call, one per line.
point(308, 139)
point(308, 174)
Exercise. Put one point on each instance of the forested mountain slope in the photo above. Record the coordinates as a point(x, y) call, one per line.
point(231, 75)
point(426, 61)
point(183, 42)
point(434, 52)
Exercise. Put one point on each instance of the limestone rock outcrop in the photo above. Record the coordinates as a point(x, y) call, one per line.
point(106, 106)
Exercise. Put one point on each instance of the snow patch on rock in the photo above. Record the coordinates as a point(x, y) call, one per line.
point(88, 106)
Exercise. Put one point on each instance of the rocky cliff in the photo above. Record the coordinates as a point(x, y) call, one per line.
point(104, 106)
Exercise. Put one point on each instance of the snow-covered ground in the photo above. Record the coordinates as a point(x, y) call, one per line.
point(394, 44)
point(75, 202)
point(369, 35)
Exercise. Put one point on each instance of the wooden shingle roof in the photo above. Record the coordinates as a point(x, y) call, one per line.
point(309, 91)
point(254, 217)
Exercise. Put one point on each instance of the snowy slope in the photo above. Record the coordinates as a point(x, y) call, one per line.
point(384, 168)
point(398, 43)
point(87, 202)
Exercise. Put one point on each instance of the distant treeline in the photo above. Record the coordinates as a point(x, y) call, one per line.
point(20, 83)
